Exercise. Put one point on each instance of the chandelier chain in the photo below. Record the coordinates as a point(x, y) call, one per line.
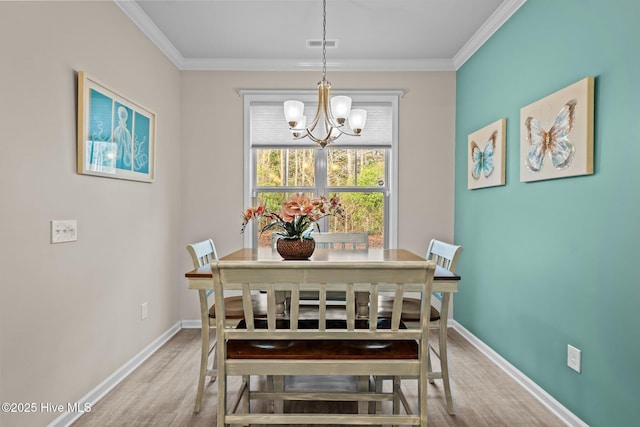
point(324, 39)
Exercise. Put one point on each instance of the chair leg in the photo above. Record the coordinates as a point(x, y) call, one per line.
point(429, 369)
point(396, 395)
point(363, 387)
point(246, 398)
point(422, 399)
point(222, 400)
point(204, 359)
point(444, 358)
point(444, 364)
point(214, 364)
point(378, 389)
point(278, 385)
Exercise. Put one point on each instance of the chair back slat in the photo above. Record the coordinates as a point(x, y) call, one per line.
point(247, 306)
point(294, 311)
point(373, 307)
point(444, 254)
point(345, 241)
point(351, 307)
point(396, 313)
point(322, 307)
point(294, 277)
point(271, 307)
point(202, 253)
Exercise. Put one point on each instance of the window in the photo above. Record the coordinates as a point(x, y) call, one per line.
point(361, 170)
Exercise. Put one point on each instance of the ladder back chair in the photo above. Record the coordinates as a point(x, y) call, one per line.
point(345, 241)
point(204, 253)
point(299, 344)
point(336, 240)
point(446, 256)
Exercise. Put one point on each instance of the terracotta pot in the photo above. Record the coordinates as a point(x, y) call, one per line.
point(295, 248)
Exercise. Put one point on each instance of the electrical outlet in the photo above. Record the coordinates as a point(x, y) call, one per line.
point(64, 230)
point(144, 310)
point(574, 358)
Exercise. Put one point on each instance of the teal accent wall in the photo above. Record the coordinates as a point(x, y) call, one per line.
point(551, 263)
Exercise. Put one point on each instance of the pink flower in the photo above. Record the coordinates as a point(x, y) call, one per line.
point(297, 216)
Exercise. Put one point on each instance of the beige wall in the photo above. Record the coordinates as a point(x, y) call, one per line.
point(70, 313)
point(212, 155)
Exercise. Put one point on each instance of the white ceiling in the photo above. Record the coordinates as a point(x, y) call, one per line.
point(372, 35)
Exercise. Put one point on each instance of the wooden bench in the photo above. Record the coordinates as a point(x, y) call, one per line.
point(322, 344)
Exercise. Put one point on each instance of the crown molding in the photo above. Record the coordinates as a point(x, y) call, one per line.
point(243, 64)
point(146, 25)
point(495, 21)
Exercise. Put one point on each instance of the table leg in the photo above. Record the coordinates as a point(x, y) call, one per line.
point(362, 305)
point(280, 303)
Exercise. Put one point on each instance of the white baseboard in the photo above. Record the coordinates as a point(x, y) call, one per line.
point(67, 418)
point(534, 389)
point(191, 324)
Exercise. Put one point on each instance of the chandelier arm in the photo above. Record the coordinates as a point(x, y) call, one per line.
point(316, 119)
point(343, 131)
point(328, 114)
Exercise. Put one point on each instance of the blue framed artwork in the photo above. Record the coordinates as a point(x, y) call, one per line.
point(116, 136)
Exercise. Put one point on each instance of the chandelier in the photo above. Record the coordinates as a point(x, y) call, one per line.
point(331, 115)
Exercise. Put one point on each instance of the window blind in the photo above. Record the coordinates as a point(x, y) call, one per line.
point(269, 128)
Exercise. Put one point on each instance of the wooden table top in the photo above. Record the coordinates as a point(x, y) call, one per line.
point(324, 255)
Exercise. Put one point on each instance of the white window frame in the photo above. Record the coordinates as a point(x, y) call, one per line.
point(371, 96)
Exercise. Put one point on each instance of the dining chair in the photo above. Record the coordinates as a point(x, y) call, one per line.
point(339, 240)
point(336, 240)
point(446, 256)
point(355, 241)
point(204, 253)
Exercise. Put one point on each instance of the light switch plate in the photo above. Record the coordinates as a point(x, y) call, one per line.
point(65, 230)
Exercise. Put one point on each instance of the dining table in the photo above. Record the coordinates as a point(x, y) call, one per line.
point(444, 281)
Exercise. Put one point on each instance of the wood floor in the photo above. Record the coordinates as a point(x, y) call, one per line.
point(161, 392)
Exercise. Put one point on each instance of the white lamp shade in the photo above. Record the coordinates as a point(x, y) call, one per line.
point(357, 119)
point(340, 107)
point(293, 111)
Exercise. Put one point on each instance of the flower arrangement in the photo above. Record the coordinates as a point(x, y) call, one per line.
point(298, 216)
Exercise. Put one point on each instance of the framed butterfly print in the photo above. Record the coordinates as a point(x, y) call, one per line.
point(486, 156)
point(556, 134)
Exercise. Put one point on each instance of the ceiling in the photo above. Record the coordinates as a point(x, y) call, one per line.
point(370, 35)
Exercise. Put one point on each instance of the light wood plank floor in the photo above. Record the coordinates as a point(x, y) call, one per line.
point(161, 392)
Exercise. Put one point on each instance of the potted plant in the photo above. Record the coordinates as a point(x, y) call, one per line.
point(295, 222)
